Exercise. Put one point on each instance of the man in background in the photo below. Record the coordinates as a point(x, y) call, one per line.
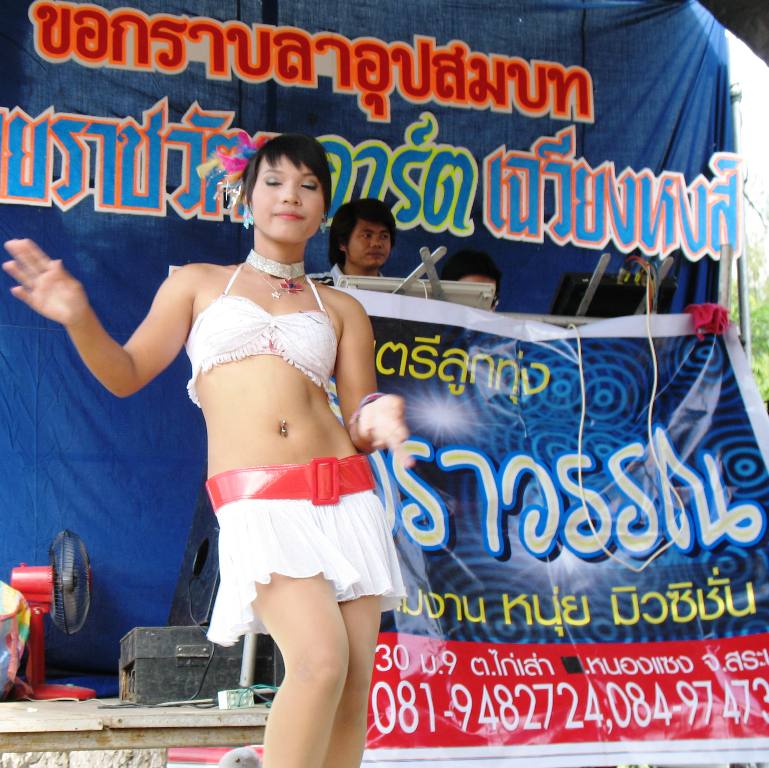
point(361, 238)
point(475, 267)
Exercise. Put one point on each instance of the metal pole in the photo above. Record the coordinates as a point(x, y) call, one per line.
point(743, 299)
point(724, 275)
point(248, 661)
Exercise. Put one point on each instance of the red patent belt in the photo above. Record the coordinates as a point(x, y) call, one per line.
point(322, 481)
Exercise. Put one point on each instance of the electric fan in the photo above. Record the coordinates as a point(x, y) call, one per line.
point(62, 589)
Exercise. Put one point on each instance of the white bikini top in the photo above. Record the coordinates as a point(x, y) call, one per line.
point(232, 328)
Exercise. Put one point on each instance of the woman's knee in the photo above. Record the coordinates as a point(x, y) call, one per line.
point(321, 667)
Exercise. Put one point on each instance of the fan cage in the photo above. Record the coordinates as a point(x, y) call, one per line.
point(71, 570)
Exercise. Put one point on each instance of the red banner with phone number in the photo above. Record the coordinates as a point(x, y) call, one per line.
point(432, 693)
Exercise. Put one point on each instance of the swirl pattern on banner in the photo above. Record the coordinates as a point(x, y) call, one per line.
point(522, 399)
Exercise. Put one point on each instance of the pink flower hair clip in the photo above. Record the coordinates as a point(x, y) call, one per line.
point(228, 165)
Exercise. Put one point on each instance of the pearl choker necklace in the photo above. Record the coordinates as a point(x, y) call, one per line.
point(275, 268)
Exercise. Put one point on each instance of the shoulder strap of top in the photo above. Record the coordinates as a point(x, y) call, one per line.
point(232, 279)
point(317, 295)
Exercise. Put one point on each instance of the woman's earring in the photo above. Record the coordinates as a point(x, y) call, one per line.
point(324, 223)
point(248, 217)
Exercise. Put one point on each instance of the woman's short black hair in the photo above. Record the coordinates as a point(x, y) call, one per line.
point(300, 149)
point(347, 216)
point(470, 262)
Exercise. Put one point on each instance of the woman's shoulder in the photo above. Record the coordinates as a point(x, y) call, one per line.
point(348, 313)
point(195, 283)
point(339, 299)
point(202, 270)
point(200, 275)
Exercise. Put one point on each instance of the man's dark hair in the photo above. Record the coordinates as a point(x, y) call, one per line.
point(300, 149)
point(470, 262)
point(348, 215)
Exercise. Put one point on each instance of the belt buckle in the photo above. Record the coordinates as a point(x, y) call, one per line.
point(324, 480)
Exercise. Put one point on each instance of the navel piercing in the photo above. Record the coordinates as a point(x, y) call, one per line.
point(283, 430)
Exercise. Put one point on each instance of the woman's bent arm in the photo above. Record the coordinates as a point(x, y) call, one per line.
point(46, 287)
point(381, 423)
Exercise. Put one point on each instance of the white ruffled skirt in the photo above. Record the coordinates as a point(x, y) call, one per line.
point(349, 543)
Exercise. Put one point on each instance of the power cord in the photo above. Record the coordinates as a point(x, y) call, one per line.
point(239, 698)
point(650, 304)
point(198, 703)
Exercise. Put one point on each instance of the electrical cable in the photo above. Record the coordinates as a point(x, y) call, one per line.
point(192, 700)
point(252, 688)
point(258, 690)
point(199, 625)
point(199, 703)
point(650, 304)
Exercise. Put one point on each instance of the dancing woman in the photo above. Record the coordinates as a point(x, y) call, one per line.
point(305, 551)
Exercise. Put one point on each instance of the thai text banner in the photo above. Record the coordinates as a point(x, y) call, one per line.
point(123, 166)
point(633, 209)
point(594, 585)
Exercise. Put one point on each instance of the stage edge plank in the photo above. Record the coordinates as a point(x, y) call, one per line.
point(43, 726)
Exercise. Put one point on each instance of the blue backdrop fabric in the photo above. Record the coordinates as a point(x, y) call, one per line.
point(125, 474)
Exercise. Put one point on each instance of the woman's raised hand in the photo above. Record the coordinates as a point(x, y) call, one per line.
point(43, 283)
point(383, 423)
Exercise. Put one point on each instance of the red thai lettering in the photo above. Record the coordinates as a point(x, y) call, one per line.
point(373, 77)
point(421, 72)
point(294, 62)
point(573, 93)
point(139, 25)
point(253, 57)
point(451, 73)
point(53, 31)
point(520, 71)
point(91, 26)
point(212, 33)
point(168, 30)
point(414, 81)
point(341, 47)
point(488, 81)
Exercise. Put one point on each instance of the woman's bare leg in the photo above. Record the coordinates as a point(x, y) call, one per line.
point(348, 736)
point(303, 617)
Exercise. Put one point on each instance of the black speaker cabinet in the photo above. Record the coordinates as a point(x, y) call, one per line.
point(199, 572)
point(159, 664)
point(150, 656)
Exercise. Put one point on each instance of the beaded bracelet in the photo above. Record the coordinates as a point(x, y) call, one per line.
point(361, 405)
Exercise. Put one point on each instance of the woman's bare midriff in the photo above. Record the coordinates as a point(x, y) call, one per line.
point(244, 403)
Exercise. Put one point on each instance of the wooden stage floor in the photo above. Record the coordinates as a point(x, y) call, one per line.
point(63, 726)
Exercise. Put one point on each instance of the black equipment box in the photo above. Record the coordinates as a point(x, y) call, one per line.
point(159, 664)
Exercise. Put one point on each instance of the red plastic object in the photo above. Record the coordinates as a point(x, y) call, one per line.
point(35, 582)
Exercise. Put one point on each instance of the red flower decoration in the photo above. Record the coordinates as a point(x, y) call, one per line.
point(708, 318)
